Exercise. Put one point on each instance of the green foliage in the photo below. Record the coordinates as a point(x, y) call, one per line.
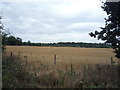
point(29, 43)
point(11, 40)
point(3, 34)
point(6, 38)
point(11, 69)
point(111, 32)
point(14, 74)
point(70, 44)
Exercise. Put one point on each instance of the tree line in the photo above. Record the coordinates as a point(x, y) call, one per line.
point(12, 40)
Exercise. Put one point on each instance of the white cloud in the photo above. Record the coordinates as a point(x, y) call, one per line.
point(68, 37)
point(74, 8)
point(53, 20)
point(83, 24)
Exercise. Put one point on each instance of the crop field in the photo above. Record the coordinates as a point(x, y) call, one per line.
point(65, 67)
point(64, 55)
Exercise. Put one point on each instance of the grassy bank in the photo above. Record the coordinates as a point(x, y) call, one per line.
point(19, 73)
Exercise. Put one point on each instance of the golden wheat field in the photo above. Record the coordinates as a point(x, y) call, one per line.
point(64, 55)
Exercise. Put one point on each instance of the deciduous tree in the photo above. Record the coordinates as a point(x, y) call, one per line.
point(111, 32)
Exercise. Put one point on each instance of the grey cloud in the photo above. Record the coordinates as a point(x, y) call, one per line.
point(33, 20)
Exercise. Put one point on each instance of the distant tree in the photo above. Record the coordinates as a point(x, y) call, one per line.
point(3, 34)
point(11, 40)
point(18, 41)
point(29, 43)
point(111, 32)
point(24, 43)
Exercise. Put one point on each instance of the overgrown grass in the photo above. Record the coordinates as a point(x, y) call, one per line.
point(14, 74)
point(19, 73)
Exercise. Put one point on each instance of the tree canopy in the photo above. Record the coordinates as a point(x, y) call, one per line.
point(110, 33)
point(11, 40)
point(3, 34)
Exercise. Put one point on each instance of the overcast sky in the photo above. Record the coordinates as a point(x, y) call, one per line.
point(53, 20)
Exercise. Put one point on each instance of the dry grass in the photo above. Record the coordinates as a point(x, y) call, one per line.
point(75, 67)
point(65, 55)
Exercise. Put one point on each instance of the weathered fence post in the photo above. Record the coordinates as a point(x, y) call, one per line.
point(11, 54)
point(66, 68)
point(112, 70)
point(84, 73)
point(71, 68)
point(21, 55)
point(18, 55)
point(111, 61)
point(31, 56)
point(25, 57)
point(34, 69)
point(54, 59)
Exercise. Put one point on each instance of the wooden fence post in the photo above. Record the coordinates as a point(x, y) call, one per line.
point(21, 57)
point(18, 55)
point(31, 56)
point(71, 68)
point(34, 69)
point(11, 54)
point(84, 72)
point(54, 59)
point(25, 57)
point(66, 68)
point(111, 61)
point(112, 70)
